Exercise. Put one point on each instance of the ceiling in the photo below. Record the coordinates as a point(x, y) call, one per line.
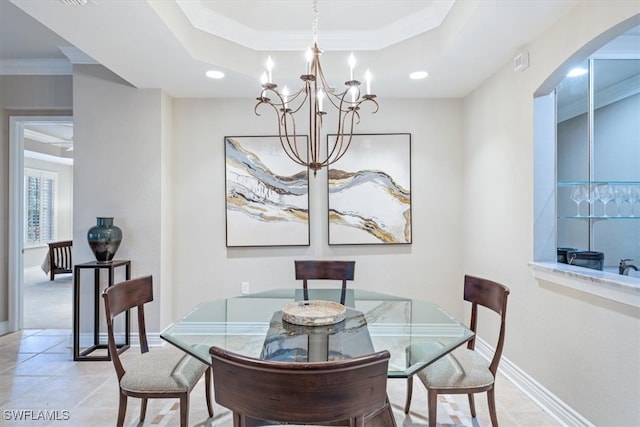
point(170, 44)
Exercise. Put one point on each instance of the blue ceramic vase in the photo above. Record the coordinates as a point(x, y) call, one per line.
point(104, 239)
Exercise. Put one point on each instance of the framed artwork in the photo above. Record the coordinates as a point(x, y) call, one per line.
point(370, 191)
point(267, 194)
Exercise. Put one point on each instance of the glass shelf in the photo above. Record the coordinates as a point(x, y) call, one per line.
point(599, 217)
point(572, 183)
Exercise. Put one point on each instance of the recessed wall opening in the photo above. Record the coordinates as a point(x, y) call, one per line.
point(587, 156)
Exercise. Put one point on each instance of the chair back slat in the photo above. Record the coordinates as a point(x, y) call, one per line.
point(486, 293)
point(60, 260)
point(492, 295)
point(121, 297)
point(129, 294)
point(325, 270)
point(301, 392)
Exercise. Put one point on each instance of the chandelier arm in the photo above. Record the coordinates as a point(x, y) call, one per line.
point(335, 99)
point(373, 101)
point(339, 138)
point(289, 154)
point(302, 102)
point(342, 151)
point(292, 151)
point(339, 148)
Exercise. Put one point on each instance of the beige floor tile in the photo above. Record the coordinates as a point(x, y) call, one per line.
point(37, 373)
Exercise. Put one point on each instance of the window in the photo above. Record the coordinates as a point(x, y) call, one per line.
point(40, 206)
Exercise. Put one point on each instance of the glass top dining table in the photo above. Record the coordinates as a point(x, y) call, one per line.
point(415, 332)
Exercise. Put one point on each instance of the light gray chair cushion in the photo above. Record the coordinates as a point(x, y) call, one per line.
point(461, 369)
point(165, 369)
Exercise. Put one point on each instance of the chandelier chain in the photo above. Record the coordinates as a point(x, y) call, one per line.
point(314, 21)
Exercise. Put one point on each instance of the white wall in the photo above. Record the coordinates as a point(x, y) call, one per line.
point(204, 268)
point(583, 348)
point(118, 173)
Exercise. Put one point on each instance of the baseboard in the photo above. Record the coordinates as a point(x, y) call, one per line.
point(549, 402)
point(4, 327)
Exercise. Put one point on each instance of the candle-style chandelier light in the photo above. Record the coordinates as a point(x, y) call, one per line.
point(318, 96)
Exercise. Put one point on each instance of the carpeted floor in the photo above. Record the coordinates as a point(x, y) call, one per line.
point(47, 304)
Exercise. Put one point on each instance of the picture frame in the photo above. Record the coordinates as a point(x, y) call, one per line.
point(266, 193)
point(369, 191)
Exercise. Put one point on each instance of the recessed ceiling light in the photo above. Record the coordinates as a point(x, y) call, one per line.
point(578, 71)
point(418, 75)
point(214, 74)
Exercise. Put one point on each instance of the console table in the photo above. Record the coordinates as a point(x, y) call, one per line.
point(96, 266)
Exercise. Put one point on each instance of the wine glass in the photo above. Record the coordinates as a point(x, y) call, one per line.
point(578, 195)
point(604, 193)
point(636, 190)
point(619, 196)
point(631, 197)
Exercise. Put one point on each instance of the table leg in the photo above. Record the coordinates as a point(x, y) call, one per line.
point(76, 314)
point(127, 321)
point(96, 307)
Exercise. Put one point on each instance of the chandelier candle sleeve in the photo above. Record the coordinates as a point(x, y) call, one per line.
point(269, 69)
point(352, 64)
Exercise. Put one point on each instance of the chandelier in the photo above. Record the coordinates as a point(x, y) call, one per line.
point(320, 100)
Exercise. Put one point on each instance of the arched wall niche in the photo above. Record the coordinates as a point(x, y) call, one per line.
point(585, 52)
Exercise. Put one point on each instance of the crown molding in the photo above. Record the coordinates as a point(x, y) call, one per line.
point(604, 97)
point(209, 21)
point(68, 161)
point(76, 56)
point(35, 67)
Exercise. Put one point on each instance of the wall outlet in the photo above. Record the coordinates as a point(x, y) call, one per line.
point(245, 287)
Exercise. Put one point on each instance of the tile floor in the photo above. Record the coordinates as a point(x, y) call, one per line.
point(39, 379)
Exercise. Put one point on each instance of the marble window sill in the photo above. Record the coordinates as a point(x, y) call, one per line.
point(623, 289)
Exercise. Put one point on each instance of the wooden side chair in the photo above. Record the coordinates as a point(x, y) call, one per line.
point(166, 372)
point(465, 371)
point(344, 392)
point(325, 270)
point(60, 261)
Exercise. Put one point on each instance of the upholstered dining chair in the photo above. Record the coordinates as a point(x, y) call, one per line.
point(341, 392)
point(166, 372)
point(465, 371)
point(325, 270)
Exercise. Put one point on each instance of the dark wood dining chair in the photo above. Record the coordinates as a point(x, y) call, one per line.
point(60, 261)
point(342, 392)
point(465, 371)
point(325, 270)
point(165, 372)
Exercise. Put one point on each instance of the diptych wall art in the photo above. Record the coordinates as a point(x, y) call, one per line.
point(370, 191)
point(267, 194)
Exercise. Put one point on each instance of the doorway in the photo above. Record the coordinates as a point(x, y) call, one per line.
point(40, 211)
